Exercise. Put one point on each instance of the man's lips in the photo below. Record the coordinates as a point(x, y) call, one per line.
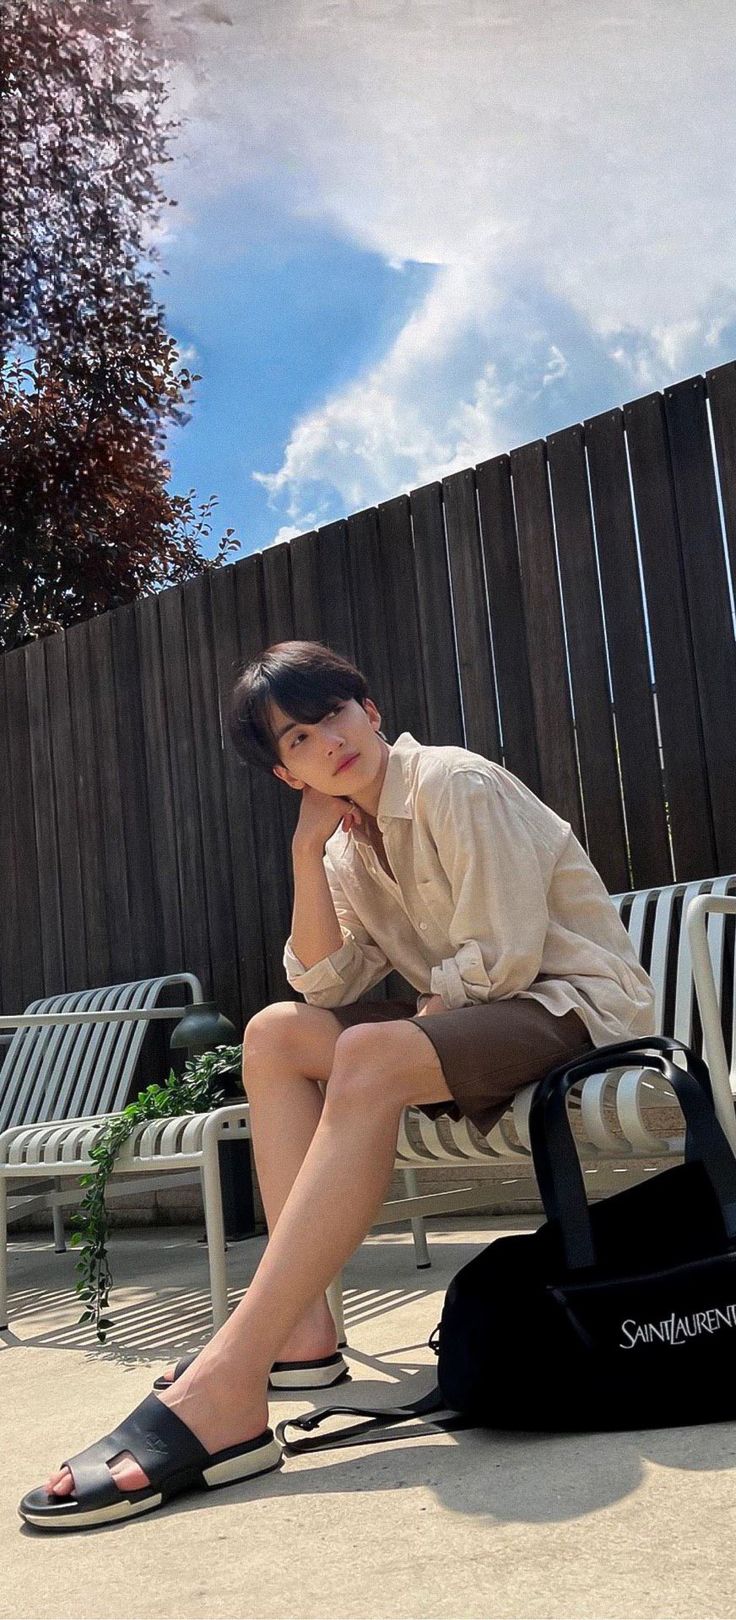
point(350, 761)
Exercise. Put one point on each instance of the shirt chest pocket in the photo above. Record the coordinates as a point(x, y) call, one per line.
point(433, 907)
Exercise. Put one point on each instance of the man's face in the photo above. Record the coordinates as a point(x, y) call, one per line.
point(311, 754)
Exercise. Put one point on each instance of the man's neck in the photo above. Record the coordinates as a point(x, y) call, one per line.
point(369, 804)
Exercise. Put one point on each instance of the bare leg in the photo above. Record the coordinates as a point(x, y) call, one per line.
point(332, 1204)
point(287, 1048)
point(285, 1109)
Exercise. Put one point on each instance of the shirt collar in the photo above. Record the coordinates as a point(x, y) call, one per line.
point(395, 791)
point(393, 800)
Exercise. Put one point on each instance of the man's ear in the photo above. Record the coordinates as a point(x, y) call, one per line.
point(291, 781)
point(376, 711)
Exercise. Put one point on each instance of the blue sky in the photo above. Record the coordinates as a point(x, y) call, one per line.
point(273, 328)
point(412, 234)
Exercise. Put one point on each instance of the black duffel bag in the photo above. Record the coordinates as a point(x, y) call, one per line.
point(621, 1315)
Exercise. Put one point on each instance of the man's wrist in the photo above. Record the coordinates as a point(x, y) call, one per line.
point(308, 848)
point(431, 1003)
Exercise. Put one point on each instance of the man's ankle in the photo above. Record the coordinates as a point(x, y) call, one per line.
point(309, 1342)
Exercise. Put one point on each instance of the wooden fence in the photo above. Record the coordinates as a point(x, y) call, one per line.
point(486, 610)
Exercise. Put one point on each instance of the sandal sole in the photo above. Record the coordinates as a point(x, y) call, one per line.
point(295, 1380)
point(320, 1376)
point(229, 1472)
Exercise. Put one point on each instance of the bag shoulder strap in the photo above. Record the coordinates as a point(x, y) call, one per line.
point(382, 1423)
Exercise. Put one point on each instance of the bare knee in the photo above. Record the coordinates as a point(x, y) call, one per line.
point(361, 1074)
point(383, 1067)
point(294, 1032)
point(270, 1023)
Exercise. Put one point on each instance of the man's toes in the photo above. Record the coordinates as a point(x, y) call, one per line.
point(127, 1474)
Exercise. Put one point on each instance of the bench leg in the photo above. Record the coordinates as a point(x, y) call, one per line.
point(3, 1252)
point(215, 1230)
point(421, 1252)
point(334, 1300)
point(58, 1220)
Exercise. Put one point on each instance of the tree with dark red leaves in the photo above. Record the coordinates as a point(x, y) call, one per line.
point(90, 378)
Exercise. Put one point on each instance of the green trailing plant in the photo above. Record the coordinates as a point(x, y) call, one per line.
point(195, 1091)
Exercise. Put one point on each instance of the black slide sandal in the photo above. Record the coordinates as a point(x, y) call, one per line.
point(167, 1451)
point(323, 1373)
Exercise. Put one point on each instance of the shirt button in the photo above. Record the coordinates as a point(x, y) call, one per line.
point(423, 927)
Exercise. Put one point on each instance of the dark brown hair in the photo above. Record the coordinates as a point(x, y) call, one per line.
point(305, 679)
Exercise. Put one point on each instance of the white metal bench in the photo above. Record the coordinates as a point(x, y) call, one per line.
point(691, 958)
point(696, 956)
point(67, 1071)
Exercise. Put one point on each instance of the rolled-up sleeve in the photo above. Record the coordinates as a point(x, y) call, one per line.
point(500, 872)
point(347, 973)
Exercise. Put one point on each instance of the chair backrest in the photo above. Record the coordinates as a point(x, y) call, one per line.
point(74, 1071)
point(655, 920)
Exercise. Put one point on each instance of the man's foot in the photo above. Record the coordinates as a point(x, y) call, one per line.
point(168, 1455)
point(228, 1422)
point(315, 1336)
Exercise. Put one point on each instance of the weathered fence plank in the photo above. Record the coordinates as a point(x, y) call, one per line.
point(709, 608)
point(370, 631)
point(81, 676)
point(166, 896)
point(506, 607)
point(636, 728)
point(187, 820)
point(69, 867)
point(722, 399)
point(475, 660)
point(11, 966)
point(308, 587)
point(336, 607)
point(435, 622)
point(604, 821)
point(135, 813)
point(239, 812)
point(555, 735)
point(110, 766)
point(686, 777)
point(283, 801)
point(44, 816)
point(396, 568)
point(211, 797)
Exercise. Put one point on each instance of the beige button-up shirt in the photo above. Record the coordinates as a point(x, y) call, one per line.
point(494, 897)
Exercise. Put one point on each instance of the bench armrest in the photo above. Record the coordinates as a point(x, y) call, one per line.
point(708, 1005)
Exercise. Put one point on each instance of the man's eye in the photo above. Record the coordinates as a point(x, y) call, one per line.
point(301, 734)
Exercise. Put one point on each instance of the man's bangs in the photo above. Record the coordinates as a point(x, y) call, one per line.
point(306, 699)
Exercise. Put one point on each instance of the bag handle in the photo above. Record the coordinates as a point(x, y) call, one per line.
point(555, 1157)
point(375, 1427)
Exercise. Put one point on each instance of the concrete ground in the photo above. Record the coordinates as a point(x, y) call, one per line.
point(467, 1525)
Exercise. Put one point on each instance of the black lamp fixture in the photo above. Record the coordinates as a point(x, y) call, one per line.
point(202, 1028)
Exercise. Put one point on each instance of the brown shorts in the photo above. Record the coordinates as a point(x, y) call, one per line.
point(487, 1051)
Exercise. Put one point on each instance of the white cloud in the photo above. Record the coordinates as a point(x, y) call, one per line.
point(557, 366)
point(286, 532)
point(531, 150)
